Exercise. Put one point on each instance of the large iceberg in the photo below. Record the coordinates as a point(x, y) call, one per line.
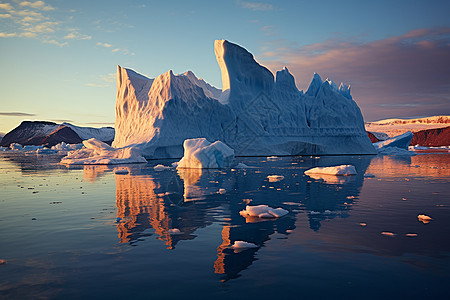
point(254, 114)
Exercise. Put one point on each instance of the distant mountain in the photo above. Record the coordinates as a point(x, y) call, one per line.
point(394, 127)
point(50, 134)
point(432, 137)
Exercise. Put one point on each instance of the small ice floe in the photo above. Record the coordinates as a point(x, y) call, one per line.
point(342, 170)
point(314, 212)
point(263, 211)
point(121, 171)
point(275, 178)
point(388, 233)
point(222, 191)
point(411, 234)
point(159, 168)
point(403, 199)
point(351, 197)
point(368, 175)
point(424, 218)
point(243, 245)
point(362, 224)
point(174, 231)
point(2, 261)
point(272, 157)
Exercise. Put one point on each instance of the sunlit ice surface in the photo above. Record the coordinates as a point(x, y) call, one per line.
point(86, 232)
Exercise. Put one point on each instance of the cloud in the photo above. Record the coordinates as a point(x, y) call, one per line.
point(111, 77)
point(16, 114)
point(400, 76)
point(45, 27)
point(75, 35)
point(5, 16)
point(106, 45)
point(6, 6)
point(7, 35)
point(257, 6)
point(37, 5)
point(54, 42)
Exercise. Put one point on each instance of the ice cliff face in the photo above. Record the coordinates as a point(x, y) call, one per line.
point(255, 113)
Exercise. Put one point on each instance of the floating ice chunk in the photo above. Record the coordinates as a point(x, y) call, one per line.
point(388, 233)
point(424, 218)
point(200, 153)
point(174, 231)
point(31, 148)
point(272, 158)
point(159, 168)
point(362, 224)
point(411, 234)
point(275, 178)
point(99, 153)
point(45, 151)
point(15, 146)
point(314, 212)
point(342, 170)
point(368, 175)
point(175, 164)
point(263, 211)
point(121, 171)
point(242, 245)
point(222, 191)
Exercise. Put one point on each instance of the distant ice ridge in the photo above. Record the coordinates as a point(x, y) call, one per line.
point(255, 113)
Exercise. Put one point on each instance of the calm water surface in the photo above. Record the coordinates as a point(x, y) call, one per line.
point(87, 233)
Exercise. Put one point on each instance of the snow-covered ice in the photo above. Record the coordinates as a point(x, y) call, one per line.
point(255, 113)
point(160, 168)
point(200, 153)
point(275, 178)
point(99, 153)
point(342, 170)
point(263, 211)
point(243, 245)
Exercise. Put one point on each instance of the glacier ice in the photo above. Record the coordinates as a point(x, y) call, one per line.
point(401, 141)
point(98, 153)
point(200, 153)
point(255, 113)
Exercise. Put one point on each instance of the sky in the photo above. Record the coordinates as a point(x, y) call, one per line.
point(59, 57)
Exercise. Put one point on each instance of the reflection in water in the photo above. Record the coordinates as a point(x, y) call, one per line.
point(93, 172)
point(184, 200)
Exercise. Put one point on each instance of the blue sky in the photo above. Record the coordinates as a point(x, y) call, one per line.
point(59, 57)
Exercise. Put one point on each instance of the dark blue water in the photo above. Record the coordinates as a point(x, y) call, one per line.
point(86, 233)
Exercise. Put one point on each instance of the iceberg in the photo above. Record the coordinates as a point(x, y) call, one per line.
point(200, 153)
point(401, 141)
point(255, 113)
point(98, 153)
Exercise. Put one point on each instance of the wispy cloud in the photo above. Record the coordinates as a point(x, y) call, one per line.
point(257, 6)
point(37, 4)
point(75, 35)
point(16, 114)
point(55, 42)
point(6, 6)
point(7, 35)
point(5, 16)
point(98, 85)
point(404, 75)
point(106, 45)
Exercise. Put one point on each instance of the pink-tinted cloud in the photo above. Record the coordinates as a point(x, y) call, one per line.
point(401, 76)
